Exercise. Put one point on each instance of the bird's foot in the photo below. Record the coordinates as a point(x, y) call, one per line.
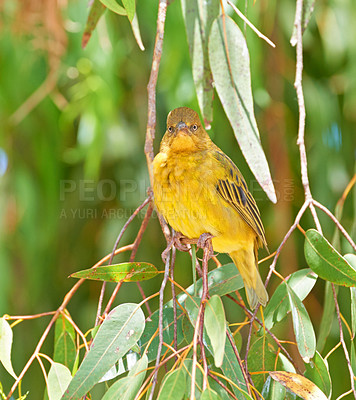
point(166, 251)
point(178, 242)
point(204, 242)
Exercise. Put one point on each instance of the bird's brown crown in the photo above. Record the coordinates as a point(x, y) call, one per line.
point(184, 114)
point(185, 132)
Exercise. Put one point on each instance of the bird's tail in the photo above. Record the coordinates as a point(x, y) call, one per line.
point(246, 263)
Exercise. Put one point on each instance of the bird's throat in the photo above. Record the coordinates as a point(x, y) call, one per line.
point(183, 142)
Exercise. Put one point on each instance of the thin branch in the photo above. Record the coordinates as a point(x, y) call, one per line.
point(174, 299)
point(237, 355)
point(259, 34)
point(151, 87)
point(160, 326)
point(278, 343)
point(343, 342)
point(337, 223)
point(222, 385)
point(286, 237)
point(60, 309)
point(123, 230)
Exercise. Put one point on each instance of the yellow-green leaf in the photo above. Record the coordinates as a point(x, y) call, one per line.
point(126, 272)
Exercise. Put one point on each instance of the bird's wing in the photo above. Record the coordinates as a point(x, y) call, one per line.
point(232, 187)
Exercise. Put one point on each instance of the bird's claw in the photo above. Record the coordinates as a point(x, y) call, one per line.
point(204, 242)
point(166, 251)
point(177, 241)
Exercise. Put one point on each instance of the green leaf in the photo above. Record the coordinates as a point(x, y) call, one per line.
point(96, 11)
point(307, 11)
point(173, 386)
point(317, 371)
point(221, 281)
point(127, 388)
point(5, 346)
point(326, 262)
point(198, 17)
point(230, 65)
point(130, 6)
point(215, 325)
point(59, 377)
point(119, 332)
point(303, 328)
point(264, 355)
point(209, 394)
point(126, 272)
point(327, 317)
point(114, 7)
point(301, 282)
point(64, 343)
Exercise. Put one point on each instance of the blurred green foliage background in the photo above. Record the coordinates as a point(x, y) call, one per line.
point(72, 167)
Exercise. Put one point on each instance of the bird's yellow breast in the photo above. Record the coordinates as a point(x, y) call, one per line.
point(186, 195)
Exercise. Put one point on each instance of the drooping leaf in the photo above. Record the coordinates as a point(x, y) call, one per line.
point(303, 328)
point(299, 385)
point(215, 325)
point(130, 7)
point(317, 371)
point(114, 6)
point(326, 262)
point(173, 386)
point(264, 355)
point(5, 346)
point(327, 317)
point(127, 388)
point(96, 11)
point(59, 377)
point(198, 17)
point(301, 282)
point(119, 332)
point(64, 343)
point(126, 272)
point(230, 64)
point(307, 11)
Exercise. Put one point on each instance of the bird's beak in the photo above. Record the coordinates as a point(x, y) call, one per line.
point(181, 125)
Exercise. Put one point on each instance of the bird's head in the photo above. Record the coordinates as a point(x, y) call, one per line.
point(185, 132)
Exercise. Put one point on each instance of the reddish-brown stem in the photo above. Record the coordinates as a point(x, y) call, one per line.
point(343, 342)
point(222, 385)
point(60, 309)
point(123, 230)
point(278, 343)
point(237, 355)
point(160, 326)
point(337, 223)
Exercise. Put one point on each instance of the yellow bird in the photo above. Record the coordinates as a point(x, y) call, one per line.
point(198, 189)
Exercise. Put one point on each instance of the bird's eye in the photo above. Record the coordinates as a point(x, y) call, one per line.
point(170, 129)
point(194, 127)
